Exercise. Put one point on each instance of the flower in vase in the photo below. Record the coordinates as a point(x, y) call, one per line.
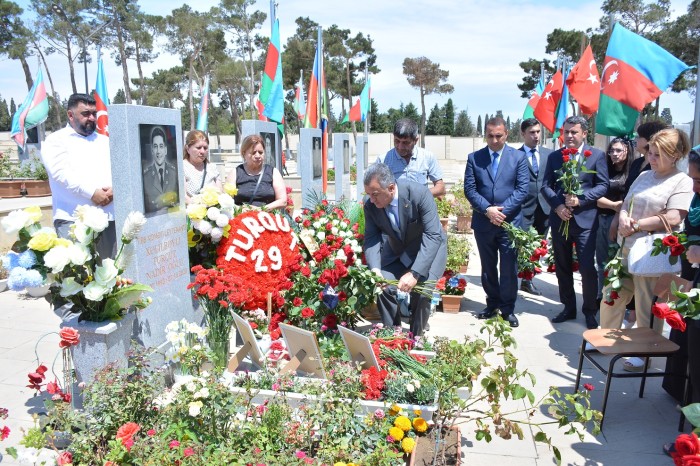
point(43, 240)
point(16, 220)
point(57, 258)
point(92, 217)
point(69, 337)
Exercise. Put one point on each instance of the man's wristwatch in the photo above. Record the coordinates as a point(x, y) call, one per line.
point(635, 227)
point(415, 274)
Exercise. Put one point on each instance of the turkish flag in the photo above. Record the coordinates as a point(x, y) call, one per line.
point(584, 83)
point(547, 106)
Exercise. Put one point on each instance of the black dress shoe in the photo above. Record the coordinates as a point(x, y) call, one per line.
point(564, 316)
point(528, 287)
point(591, 322)
point(512, 320)
point(487, 313)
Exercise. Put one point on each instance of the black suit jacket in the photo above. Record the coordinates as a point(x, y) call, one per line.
point(594, 186)
point(534, 196)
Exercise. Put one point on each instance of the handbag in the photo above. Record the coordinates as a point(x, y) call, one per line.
point(640, 262)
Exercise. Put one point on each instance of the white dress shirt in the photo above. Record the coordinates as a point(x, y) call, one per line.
point(77, 166)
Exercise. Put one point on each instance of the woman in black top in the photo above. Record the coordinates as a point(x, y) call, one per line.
point(258, 184)
point(619, 158)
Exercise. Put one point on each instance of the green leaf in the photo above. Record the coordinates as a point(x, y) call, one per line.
point(518, 392)
point(541, 437)
point(692, 413)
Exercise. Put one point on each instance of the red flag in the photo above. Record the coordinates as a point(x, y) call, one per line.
point(584, 83)
point(547, 106)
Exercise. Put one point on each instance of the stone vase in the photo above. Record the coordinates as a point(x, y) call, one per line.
point(101, 343)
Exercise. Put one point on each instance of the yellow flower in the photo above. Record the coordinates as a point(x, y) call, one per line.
point(340, 463)
point(192, 238)
point(403, 423)
point(227, 228)
point(408, 444)
point(420, 425)
point(394, 410)
point(34, 213)
point(42, 241)
point(64, 242)
point(197, 211)
point(353, 464)
point(396, 433)
point(417, 412)
point(230, 189)
point(210, 197)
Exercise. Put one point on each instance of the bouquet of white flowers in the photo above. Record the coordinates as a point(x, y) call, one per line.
point(78, 274)
point(209, 213)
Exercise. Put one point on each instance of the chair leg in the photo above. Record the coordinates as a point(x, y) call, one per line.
point(580, 365)
point(644, 377)
point(687, 390)
point(608, 380)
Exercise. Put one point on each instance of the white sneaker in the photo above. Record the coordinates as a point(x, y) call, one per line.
point(627, 324)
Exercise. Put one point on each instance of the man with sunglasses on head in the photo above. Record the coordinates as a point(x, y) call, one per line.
point(80, 171)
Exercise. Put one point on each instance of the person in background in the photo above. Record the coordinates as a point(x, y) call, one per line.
point(582, 214)
point(403, 241)
point(619, 159)
point(409, 162)
point(661, 195)
point(198, 171)
point(535, 207)
point(258, 184)
point(496, 183)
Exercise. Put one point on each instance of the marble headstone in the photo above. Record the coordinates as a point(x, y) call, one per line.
point(268, 131)
point(310, 165)
point(361, 159)
point(160, 255)
point(341, 162)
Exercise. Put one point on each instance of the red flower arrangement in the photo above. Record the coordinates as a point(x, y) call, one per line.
point(674, 319)
point(373, 380)
point(569, 177)
point(676, 244)
point(687, 450)
point(451, 284)
point(5, 431)
point(531, 248)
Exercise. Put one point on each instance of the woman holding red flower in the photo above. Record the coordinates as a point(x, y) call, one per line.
point(660, 195)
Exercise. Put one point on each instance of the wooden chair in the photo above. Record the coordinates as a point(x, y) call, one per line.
point(621, 343)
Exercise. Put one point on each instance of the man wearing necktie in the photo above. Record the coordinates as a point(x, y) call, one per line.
point(496, 183)
point(582, 213)
point(535, 207)
point(403, 241)
point(160, 180)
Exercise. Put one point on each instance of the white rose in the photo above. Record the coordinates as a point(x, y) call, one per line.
point(341, 255)
point(80, 232)
point(15, 221)
point(222, 220)
point(203, 226)
point(216, 234)
point(316, 225)
point(57, 258)
point(106, 274)
point(226, 201)
point(92, 216)
point(95, 292)
point(79, 254)
point(195, 408)
point(335, 222)
point(70, 287)
point(191, 387)
point(213, 213)
point(334, 231)
point(321, 235)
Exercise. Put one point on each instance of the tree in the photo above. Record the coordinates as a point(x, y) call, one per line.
point(514, 131)
point(14, 37)
point(434, 124)
point(229, 76)
point(165, 87)
point(479, 127)
point(13, 106)
point(409, 111)
point(5, 116)
point(666, 116)
point(448, 122)
point(464, 126)
point(681, 38)
point(428, 78)
point(119, 97)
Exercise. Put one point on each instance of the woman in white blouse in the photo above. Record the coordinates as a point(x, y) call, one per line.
point(198, 171)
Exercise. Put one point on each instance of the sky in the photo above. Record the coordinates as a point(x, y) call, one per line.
point(480, 43)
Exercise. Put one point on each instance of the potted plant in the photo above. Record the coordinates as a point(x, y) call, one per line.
point(444, 209)
point(458, 250)
point(36, 182)
point(461, 208)
point(452, 286)
point(9, 186)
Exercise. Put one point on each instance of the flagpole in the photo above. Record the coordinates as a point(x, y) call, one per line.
point(301, 94)
point(370, 106)
point(696, 120)
point(321, 89)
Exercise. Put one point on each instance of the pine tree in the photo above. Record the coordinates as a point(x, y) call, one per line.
point(464, 126)
point(666, 116)
point(13, 106)
point(479, 127)
point(119, 97)
point(448, 122)
point(434, 123)
point(5, 117)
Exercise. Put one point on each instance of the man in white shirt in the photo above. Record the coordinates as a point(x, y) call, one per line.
point(80, 172)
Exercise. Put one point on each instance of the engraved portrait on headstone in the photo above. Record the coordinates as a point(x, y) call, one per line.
point(317, 157)
point(161, 187)
point(346, 156)
point(270, 148)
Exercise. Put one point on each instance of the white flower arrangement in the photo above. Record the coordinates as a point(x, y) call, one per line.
point(187, 345)
point(210, 212)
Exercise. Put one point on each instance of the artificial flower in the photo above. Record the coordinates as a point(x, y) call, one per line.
point(196, 211)
point(95, 292)
point(69, 337)
point(209, 196)
point(42, 241)
point(133, 224)
point(92, 216)
point(15, 221)
point(106, 274)
point(57, 258)
point(70, 287)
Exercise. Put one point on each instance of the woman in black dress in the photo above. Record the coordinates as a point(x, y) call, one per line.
point(258, 184)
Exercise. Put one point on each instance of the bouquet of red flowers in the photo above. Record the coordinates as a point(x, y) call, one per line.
point(531, 248)
point(569, 177)
point(451, 284)
point(677, 243)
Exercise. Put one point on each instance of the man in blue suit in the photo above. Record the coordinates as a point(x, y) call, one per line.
point(496, 182)
point(535, 207)
point(582, 213)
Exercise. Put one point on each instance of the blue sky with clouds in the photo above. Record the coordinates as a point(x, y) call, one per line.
point(479, 42)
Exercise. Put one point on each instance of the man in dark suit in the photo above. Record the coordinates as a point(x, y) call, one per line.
point(535, 208)
point(495, 182)
point(582, 213)
point(404, 241)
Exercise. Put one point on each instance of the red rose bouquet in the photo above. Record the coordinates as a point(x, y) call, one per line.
point(451, 284)
point(677, 244)
point(531, 248)
point(569, 177)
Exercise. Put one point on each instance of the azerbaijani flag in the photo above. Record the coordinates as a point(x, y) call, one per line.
point(583, 82)
point(101, 101)
point(33, 111)
point(299, 102)
point(317, 106)
point(563, 106)
point(203, 118)
point(534, 99)
point(359, 111)
point(545, 112)
point(271, 92)
point(635, 72)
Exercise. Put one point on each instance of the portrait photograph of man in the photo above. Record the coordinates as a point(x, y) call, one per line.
point(346, 156)
point(270, 149)
point(161, 188)
point(317, 157)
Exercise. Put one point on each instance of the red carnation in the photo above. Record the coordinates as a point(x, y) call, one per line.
point(587, 153)
point(53, 387)
point(551, 268)
point(297, 301)
point(307, 223)
point(307, 313)
point(614, 295)
point(588, 387)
